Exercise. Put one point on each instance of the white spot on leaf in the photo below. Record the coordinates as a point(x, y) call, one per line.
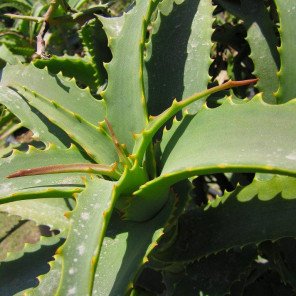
point(72, 291)
point(81, 249)
point(84, 216)
point(72, 270)
point(292, 156)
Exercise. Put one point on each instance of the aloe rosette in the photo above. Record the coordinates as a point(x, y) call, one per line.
point(115, 195)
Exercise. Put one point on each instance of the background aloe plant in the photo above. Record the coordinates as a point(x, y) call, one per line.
point(120, 195)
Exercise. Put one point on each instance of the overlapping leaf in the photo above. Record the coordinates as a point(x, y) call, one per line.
point(287, 89)
point(262, 40)
point(178, 54)
point(264, 210)
point(71, 66)
point(195, 146)
point(51, 155)
point(124, 95)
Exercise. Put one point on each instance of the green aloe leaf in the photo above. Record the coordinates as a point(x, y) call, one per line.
point(77, 258)
point(51, 155)
point(42, 128)
point(80, 130)
point(178, 53)
point(63, 91)
point(112, 27)
point(113, 277)
point(21, 274)
point(37, 192)
point(194, 146)
point(95, 43)
point(263, 210)
point(262, 40)
point(119, 243)
point(287, 12)
point(124, 95)
point(287, 89)
point(80, 252)
point(48, 212)
point(71, 66)
point(213, 275)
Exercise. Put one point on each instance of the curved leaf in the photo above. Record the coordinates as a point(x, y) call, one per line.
point(263, 210)
point(194, 146)
point(265, 141)
point(287, 89)
point(48, 212)
point(51, 155)
point(59, 89)
point(42, 128)
point(116, 277)
point(262, 40)
point(178, 54)
point(94, 140)
point(21, 274)
point(124, 95)
point(112, 26)
point(71, 66)
point(80, 252)
point(95, 41)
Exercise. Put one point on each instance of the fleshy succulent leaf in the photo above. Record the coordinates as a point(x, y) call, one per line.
point(124, 95)
point(33, 119)
point(50, 156)
point(71, 66)
point(80, 130)
point(233, 220)
point(95, 41)
point(192, 147)
point(110, 188)
point(156, 122)
point(80, 252)
point(49, 211)
point(121, 237)
point(179, 50)
point(262, 40)
point(59, 89)
point(287, 89)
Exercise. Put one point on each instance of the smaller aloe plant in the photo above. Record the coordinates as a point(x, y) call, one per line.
point(115, 184)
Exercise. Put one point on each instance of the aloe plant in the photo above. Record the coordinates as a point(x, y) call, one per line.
point(113, 183)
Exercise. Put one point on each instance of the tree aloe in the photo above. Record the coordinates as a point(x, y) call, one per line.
point(113, 183)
